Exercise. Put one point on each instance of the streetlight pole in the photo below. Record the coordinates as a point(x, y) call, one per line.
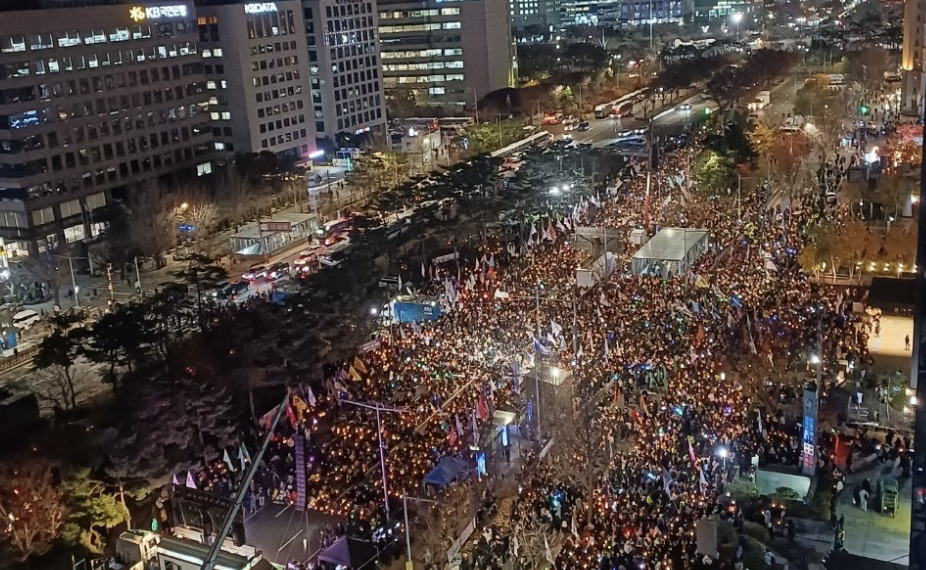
point(74, 283)
point(409, 565)
point(378, 407)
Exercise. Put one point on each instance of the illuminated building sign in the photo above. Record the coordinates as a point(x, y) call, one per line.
point(260, 8)
point(142, 13)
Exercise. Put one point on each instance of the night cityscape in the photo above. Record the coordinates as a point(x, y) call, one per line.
point(462, 285)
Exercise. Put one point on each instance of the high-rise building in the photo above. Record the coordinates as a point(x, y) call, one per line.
point(344, 70)
point(446, 54)
point(254, 57)
point(93, 99)
point(541, 13)
point(914, 55)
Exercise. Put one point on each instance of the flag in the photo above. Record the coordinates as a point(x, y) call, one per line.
point(560, 226)
point(539, 348)
point(702, 480)
point(190, 484)
point(516, 542)
point(667, 480)
point(290, 415)
point(458, 423)
point(572, 526)
point(602, 300)
point(310, 395)
point(475, 429)
point(691, 453)
point(423, 272)
point(606, 352)
point(360, 366)
point(491, 262)
point(759, 418)
point(352, 372)
point(400, 282)
point(452, 440)
point(227, 460)
point(244, 455)
point(557, 329)
point(482, 408)
point(173, 479)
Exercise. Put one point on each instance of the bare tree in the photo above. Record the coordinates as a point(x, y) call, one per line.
point(149, 227)
point(534, 543)
point(48, 269)
point(580, 455)
point(31, 505)
point(237, 199)
point(444, 522)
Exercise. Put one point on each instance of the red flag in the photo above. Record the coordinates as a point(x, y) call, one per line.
point(453, 436)
point(482, 409)
point(291, 415)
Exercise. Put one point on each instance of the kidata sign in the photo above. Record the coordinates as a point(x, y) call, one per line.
point(260, 8)
point(142, 13)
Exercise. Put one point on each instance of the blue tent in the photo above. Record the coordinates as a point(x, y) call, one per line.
point(446, 472)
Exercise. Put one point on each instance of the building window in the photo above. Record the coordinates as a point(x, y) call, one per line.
point(204, 169)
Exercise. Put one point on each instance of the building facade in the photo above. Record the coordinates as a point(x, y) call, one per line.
point(254, 59)
point(544, 14)
point(93, 99)
point(914, 54)
point(448, 54)
point(348, 104)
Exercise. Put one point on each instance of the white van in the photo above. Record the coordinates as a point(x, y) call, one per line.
point(23, 320)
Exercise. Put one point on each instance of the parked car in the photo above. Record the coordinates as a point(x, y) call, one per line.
point(257, 271)
point(278, 270)
point(232, 291)
point(24, 320)
point(583, 126)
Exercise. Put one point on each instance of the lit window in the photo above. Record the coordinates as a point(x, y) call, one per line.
point(226, 115)
point(204, 169)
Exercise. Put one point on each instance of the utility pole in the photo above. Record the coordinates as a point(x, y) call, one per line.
point(109, 282)
point(409, 565)
point(74, 283)
point(137, 276)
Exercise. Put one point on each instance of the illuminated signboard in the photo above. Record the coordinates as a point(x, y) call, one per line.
point(260, 8)
point(142, 13)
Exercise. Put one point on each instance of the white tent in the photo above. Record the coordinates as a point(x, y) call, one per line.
point(670, 252)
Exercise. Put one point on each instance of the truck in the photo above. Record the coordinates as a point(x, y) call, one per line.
point(761, 101)
point(412, 312)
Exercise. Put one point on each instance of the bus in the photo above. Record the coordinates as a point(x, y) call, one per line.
point(605, 110)
point(331, 231)
point(537, 140)
point(621, 110)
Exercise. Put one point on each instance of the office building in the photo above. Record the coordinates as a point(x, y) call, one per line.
point(254, 57)
point(544, 14)
point(348, 105)
point(92, 100)
point(447, 54)
point(913, 57)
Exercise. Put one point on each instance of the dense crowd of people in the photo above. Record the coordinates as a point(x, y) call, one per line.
point(712, 334)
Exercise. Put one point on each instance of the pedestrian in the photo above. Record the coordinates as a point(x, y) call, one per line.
point(907, 342)
point(863, 499)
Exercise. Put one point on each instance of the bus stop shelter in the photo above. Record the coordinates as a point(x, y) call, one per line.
point(671, 252)
point(260, 239)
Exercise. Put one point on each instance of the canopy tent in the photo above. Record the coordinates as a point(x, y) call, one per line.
point(350, 552)
point(670, 252)
point(445, 472)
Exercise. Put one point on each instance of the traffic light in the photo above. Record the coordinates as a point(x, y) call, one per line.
point(864, 110)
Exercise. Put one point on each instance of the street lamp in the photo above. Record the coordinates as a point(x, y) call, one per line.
point(379, 432)
point(409, 565)
point(736, 18)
